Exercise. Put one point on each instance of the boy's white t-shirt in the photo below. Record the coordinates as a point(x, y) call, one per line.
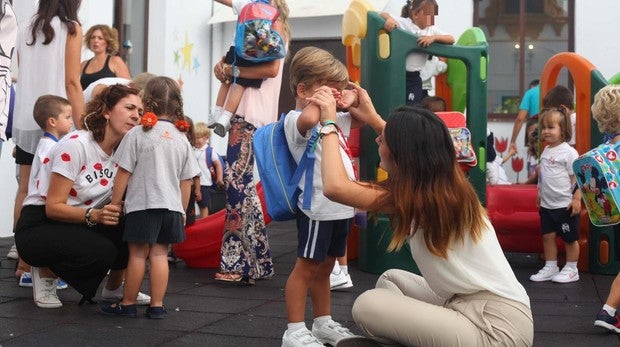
point(322, 208)
point(201, 156)
point(416, 61)
point(40, 173)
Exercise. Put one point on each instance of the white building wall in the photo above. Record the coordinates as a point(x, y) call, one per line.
point(596, 28)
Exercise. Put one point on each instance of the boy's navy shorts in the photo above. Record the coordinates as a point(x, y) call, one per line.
point(561, 222)
point(317, 240)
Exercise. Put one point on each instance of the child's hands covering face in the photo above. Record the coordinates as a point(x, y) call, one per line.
point(324, 98)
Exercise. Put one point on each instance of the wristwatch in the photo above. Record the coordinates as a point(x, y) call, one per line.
point(328, 129)
point(87, 216)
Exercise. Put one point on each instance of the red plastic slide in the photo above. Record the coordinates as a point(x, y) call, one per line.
point(203, 239)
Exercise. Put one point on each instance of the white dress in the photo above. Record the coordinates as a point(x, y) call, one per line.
point(41, 71)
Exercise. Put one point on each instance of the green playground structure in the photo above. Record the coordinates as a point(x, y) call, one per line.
point(376, 58)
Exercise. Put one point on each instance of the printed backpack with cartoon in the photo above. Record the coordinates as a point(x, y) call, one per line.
point(596, 172)
point(255, 37)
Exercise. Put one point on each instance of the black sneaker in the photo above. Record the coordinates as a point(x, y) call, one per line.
point(604, 320)
point(117, 309)
point(156, 312)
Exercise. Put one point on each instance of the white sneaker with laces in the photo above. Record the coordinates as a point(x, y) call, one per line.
point(117, 294)
point(12, 253)
point(44, 290)
point(567, 275)
point(300, 338)
point(545, 274)
point(338, 278)
point(330, 332)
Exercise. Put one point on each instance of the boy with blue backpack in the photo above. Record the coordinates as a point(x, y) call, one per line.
point(211, 168)
point(317, 81)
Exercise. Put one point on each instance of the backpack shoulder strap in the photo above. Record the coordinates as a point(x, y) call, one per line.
point(208, 155)
point(306, 165)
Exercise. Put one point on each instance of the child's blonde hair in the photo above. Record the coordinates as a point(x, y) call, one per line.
point(564, 120)
point(606, 109)
point(202, 129)
point(312, 65)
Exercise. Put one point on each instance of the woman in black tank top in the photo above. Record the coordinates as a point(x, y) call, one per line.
point(103, 41)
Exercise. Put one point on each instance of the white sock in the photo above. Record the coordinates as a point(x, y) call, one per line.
point(292, 327)
point(215, 114)
point(551, 263)
point(225, 117)
point(572, 264)
point(319, 321)
point(610, 310)
point(336, 269)
point(345, 269)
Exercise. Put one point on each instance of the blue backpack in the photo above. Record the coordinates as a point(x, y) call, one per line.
point(279, 173)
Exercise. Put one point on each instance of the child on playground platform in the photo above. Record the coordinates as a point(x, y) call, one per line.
point(317, 82)
point(230, 93)
point(53, 115)
point(207, 179)
point(559, 203)
point(156, 166)
point(417, 17)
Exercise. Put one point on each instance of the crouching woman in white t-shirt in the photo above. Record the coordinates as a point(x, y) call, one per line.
point(72, 232)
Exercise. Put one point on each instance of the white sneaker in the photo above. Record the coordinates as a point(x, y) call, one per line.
point(12, 253)
point(545, 274)
point(330, 332)
point(300, 338)
point(340, 281)
point(222, 125)
point(117, 294)
point(44, 290)
point(567, 275)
